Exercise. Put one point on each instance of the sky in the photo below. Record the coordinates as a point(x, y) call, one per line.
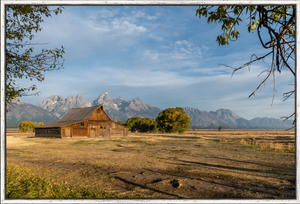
point(164, 55)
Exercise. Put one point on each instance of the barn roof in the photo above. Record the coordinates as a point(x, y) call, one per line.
point(57, 124)
point(73, 116)
point(79, 114)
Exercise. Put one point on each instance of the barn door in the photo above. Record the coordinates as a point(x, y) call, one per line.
point(92, 132)
point(67, 132)
point(106, 132)
point(98, 133)
point(124, 132)
point(101, 132)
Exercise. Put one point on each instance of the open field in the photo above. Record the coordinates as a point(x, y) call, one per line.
point(196, 164)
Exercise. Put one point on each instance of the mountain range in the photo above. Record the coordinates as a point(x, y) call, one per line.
point(54, 107)
point(23, 111)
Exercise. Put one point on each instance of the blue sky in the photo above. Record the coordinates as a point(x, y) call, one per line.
point(162, 54)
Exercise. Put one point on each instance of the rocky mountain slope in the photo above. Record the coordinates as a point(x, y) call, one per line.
point(233, 119)
point(23, 111)
point(272, 123)
point(203, 119)
point(59, 106)
point(116, 109)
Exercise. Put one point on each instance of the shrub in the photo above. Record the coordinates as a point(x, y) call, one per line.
point(28, 126)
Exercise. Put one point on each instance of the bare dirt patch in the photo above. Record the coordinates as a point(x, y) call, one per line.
point(192, 165)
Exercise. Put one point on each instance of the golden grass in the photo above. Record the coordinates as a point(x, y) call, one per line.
point(148, 166)
point(263, 145)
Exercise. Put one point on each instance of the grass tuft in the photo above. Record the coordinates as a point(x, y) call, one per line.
point(23, 184)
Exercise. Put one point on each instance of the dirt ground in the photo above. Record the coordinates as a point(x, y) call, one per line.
point(191, 165)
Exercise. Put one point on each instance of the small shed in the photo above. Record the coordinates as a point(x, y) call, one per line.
point(87, 122)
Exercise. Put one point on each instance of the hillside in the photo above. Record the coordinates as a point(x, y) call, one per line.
point(27, 112)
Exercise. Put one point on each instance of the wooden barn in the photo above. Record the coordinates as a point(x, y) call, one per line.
point(87, 122)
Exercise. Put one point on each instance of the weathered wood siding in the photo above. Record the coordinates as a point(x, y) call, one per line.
point(75, 125)
point(79, 132)
point(116, 125)
point(116, 132)
point(48, 132)
point(66, 132)
point(125, 132)
point(101, 123)
point(99, 130)
point(99, 114)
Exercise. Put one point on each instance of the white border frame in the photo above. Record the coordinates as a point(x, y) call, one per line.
point(142, 2)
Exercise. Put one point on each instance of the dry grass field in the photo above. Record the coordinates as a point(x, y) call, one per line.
point(196, 164)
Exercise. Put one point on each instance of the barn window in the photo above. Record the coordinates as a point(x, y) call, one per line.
point(82, 124)
point(104, 127)
point(101, 127)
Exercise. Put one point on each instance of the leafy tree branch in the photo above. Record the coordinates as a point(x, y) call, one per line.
point(22, 61)
point(278, 22)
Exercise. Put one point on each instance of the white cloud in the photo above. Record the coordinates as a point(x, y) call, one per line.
point(155, 17)
point(155, 37)
point(181, 42)
point(176, 55)
point(92, 30)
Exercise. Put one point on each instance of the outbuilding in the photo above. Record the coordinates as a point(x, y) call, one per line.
point(87, 122)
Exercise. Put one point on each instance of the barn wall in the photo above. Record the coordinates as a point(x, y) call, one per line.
point(99, 130)
point(66, 132)
point(48, 132)
point(99, 114)
point(99, 123)
point(125, 132)
point(116, 132)
point(79, 132)
point(116, 125)
point(75, 125)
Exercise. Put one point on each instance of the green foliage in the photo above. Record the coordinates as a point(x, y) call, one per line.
point(141, 124)
point(173, 120)
point(131, 122)
point(230, 17)
point(22, 61)
point(28, 126)
point(220, 128)
point(119, 121)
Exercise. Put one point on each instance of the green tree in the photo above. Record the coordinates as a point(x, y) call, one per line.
point(173, 120)
point(276, 22)
point(141, 124)
point(147, 125)
point(220, 128)
point(27, 126)
point(131, 123)
point(22, 61)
